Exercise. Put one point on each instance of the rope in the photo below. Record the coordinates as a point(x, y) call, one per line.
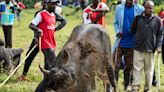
point(17, 67)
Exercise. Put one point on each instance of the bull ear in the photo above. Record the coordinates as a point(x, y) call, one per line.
point(45, 72)
point(65, 56)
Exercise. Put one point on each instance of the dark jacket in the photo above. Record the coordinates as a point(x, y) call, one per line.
point(147, 32)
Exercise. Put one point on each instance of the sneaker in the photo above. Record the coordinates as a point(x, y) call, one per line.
point(147, 90)
point(154, 83)
point(23, 78)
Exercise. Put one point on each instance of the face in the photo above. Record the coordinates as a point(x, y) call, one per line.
point(95, 2)
point(51, 6)
point(7, 1)
point(149, 9)
point(129, 3)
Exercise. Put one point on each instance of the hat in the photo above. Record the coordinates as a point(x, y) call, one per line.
point(56, 1)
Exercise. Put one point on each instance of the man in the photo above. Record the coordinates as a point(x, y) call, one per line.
point(45, 25)
point(95, 13)
point(29, 60)
point(124, 16)
point(147, 29)
point(7, 22)
point(34, 42)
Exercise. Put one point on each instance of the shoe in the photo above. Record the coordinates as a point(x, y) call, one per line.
point(147, 90)
point(23, 78)
point(154, 83)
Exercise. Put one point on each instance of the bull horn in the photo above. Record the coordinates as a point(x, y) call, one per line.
point(46, 72)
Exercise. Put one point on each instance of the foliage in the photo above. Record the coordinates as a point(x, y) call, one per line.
point(30, 3)
point(158, 8)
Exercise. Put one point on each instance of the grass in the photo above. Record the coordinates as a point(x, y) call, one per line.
point(22, 37)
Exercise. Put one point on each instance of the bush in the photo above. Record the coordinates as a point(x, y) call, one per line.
point(30, 3)
point(158, 8)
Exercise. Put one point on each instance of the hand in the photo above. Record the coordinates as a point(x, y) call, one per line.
point(119, 35)
point(159, 50)
point(89, 13)
point(36, 40)
point(39, 32)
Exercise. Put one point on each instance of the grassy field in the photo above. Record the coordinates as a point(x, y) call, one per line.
point(22, 37)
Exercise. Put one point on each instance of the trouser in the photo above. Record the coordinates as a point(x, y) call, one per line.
point(31, 57)
point(163, 53)
point(128, 58)
point(49, 56)
point(143, 61)
point(7, 30)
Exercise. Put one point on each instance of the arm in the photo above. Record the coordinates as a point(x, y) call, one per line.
point(104, 8)
point(159, 35)
point(62, 21)
point(33, 25)
point(116, 21)
point(134, 26)
point(86, 18)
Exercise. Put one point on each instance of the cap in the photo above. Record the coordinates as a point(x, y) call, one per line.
point(56, 1)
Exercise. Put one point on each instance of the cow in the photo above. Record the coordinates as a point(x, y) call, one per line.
point(9, 57)
point(85, 55)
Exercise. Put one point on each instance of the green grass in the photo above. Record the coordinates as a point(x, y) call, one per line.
point(22, 37)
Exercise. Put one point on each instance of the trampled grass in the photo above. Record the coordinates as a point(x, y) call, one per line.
point(22, 37)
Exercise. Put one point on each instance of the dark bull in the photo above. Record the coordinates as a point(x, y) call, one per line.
point(85, 55)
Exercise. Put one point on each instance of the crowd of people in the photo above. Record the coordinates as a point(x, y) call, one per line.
point(139, 34)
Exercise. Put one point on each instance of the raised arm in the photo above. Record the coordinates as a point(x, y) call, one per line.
point(62, 21)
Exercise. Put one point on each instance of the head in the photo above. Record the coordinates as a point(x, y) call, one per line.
point(149, 7)
point(7, 1)
point(95, 2)
point(44, 4)
point(51, 5)
point(129, 3)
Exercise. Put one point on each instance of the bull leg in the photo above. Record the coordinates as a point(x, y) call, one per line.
point(111, 76)
point(17, 51)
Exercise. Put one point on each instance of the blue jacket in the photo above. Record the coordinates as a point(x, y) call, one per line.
point(119, 19)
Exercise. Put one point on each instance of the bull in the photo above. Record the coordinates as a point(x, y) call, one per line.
point(85, 55)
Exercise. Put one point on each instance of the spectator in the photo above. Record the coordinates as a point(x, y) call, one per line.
point(124, 16)
point(7, 21)
point(31, 57)
point(95, 13)
point(147, 30)
point(45, 25)
point(20, 6)
point(35, 40)
point(161, 15)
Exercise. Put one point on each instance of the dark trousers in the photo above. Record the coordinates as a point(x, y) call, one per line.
point(128, 58)
point(49, 56)
point(7, 30)
point(163, 53)
point(31, 57)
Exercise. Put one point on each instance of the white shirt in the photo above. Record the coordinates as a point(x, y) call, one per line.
point(38, 18)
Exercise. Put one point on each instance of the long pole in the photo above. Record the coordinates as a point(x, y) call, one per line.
point(159, 72)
